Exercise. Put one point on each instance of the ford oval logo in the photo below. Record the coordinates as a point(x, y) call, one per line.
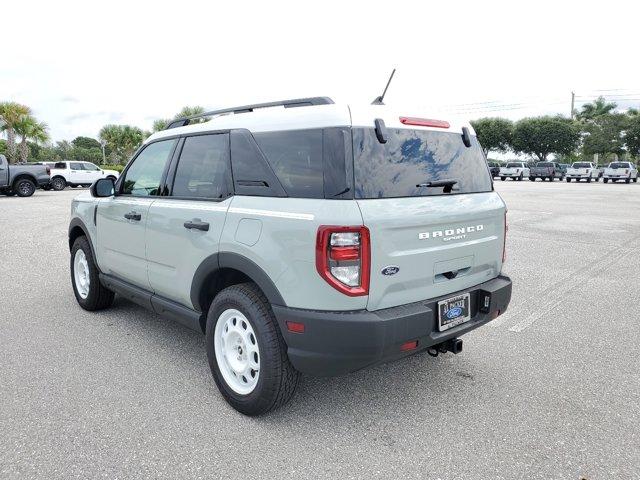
point(390, 270)
point(454, 312)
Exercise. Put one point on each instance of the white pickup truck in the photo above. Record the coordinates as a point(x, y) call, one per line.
point(514, 170)
point(78, 174)
point(626, 171)
point(583, 171)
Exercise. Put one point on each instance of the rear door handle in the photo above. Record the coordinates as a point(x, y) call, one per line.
point(197, 224)
point(133, 216)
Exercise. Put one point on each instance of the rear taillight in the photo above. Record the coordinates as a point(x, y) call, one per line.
point(626, 170)
point(48, 171)
point(343, 256)
point(504, 241)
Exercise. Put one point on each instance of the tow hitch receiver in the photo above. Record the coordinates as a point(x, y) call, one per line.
point(454, 346)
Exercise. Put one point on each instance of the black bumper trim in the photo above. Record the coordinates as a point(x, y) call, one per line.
point(340, 342)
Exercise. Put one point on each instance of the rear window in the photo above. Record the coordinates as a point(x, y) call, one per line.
point(60, 165)
point(544, 164)
point(514, 165)
point(581, 165)
point(412, 158)
point(619, 165)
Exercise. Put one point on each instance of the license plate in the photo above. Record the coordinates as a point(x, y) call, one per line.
point(453, 311)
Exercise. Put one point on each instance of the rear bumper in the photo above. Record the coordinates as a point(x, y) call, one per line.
point(334, 343)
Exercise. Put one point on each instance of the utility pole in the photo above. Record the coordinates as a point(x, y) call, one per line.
point(573, 101)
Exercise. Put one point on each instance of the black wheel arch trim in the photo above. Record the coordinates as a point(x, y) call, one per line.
point(77, 223)
point(235, 261)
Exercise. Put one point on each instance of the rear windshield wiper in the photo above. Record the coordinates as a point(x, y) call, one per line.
point(447, 184)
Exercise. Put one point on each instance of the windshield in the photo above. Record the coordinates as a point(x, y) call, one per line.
point(514, 165)
point(581, 165)
point(411, 159)
point(619, 165)
point(544, 164)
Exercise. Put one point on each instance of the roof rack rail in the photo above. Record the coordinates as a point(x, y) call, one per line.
point(297, 102)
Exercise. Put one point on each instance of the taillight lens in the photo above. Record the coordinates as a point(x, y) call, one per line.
point(48, 170)
point(626, 170)
point(504, 241)
point(343, 256)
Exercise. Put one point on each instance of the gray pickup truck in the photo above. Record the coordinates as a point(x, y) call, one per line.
point(546, 171)
point(22, 180)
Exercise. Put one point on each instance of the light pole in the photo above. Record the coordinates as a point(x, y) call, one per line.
point(104, 157)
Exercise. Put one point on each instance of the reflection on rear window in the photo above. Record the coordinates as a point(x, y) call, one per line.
point(581, 165)
point(415, 157)
point(619, 165)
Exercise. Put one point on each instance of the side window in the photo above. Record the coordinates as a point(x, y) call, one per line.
point(203, 170)
point(76, 166)
point(143, 177)
point(296, 158)
point(90, 166)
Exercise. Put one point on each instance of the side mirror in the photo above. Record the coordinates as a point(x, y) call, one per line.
point(466, 137)
point(103, 187)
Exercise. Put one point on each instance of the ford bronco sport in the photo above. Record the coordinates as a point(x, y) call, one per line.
point(316, 238)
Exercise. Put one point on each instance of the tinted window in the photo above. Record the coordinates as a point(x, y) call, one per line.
point(296, 158)
point(514, 165)
point(76, 166)
point(544, 164)
point(60, 165)
point(581, 165)
point(619, 165)
point(203, 169)
point(414, 157)
point(143, 177)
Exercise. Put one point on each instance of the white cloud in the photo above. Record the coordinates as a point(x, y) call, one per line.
point(136, 61)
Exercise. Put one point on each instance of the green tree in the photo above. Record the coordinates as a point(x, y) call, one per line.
point(541, 136)
point(86, 142)
point(187, 111)
point(593, 110)
point(122, 140)
point(28, 128)
point(3, 147)
point(11, 113)
point(494, 134)
point(632, 136)
point(605, 134)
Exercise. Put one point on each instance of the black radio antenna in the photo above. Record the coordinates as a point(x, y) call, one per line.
point(379, 100)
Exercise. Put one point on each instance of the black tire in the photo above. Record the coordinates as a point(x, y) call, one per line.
point(589, 180)
point(278, 379)
point(606, 180)
point(73, 186)
point(635, 180)
point(98, 297)
point(520, 177)
point(58, 183)
point(503, 178)
point(550, 179)
point(532, 179)
point(568, 180)
point(24, 187)
point(627, 180)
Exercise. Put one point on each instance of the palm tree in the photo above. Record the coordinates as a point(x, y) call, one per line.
point(122, 140)
point(11, 113)
point(28, 128)
point(598, 108)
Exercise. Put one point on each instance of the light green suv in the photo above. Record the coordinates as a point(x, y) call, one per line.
point(299, 236)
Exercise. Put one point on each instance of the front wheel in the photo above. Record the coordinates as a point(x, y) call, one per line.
point(532, 179)
point(606, 180)
point(90, 293)
point(247, 354)
point(503, 178)
point(635, 180)
point(24, 187)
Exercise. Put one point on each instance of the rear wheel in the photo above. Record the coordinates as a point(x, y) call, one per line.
point(589, 180)
point(532, 179)
point(520, 177)
point(58, 183)
point(568, 180)
point(247, 354)
point(503, 178)
point(627, 180)
point(606, 180)
point(24, 187)
point(90, 293)
point(635, 180)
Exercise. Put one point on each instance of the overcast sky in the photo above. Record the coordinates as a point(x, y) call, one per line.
point(80, 65)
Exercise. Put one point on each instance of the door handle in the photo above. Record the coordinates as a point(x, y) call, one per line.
point(197, 224)
point(133, 216)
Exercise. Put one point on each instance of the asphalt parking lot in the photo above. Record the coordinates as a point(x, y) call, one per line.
point(551, 389)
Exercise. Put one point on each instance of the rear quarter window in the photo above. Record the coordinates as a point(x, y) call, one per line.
point(413, 157)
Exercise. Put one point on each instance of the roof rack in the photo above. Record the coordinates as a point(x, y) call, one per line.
point(297, 102)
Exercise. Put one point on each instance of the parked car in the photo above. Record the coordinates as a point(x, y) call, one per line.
point(563, 168)
point(515, 171)
point(583, 171)
point(346, 237)
point(546, 171)
point(77, 174)
point(21, 180)
point(626, 171)
point(494, 168)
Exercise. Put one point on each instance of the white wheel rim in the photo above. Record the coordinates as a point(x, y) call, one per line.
point(237, 352)
point(81, 273)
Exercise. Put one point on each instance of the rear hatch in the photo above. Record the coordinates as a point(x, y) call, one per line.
point(512, 168)
point(426, 241)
